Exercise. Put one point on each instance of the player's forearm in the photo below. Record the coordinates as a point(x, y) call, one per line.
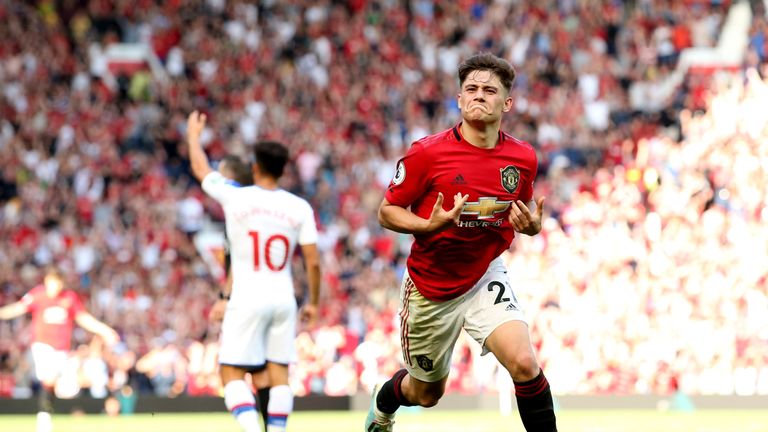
point(401, 220)
point(197, 158)
point(312, 265)
point(313, 279)
point(91, 324)
point(227, 289)
point(12, 311)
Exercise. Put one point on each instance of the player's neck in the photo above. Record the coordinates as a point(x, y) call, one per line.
point(482, 135)
point(267, 183)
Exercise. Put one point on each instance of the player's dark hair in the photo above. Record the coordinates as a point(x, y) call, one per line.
point(271, 157)
point(488, 62)
point(241, 171)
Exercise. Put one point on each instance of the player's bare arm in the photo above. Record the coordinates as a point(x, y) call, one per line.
point(90, 323)
point(217, 311)
point(402, 220)
point(197, 157)
point(311, 256)
point(523, 220)
point(12, 311)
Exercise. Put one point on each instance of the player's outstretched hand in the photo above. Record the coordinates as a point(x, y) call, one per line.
point(441, 219)
point(195, 124)
point(308, 315)
point(523, 221)
point(110, 337)
point(217, 311)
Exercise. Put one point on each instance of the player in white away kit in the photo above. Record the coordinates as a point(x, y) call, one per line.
point(264, 224)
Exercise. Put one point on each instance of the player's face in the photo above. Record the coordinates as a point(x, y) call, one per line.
point(53, 285)
point(483, 98)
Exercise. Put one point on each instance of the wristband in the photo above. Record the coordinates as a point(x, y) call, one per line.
point(223, 296)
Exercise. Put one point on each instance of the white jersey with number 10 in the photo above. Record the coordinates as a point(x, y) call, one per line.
point(264, 227)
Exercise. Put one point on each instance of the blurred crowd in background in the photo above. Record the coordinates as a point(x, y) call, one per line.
point(651, 272)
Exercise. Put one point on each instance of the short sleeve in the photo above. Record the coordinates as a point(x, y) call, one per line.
point(218, 186)
point(411, 180)
point(76, 305)
point(29, 299)
point(308, 229)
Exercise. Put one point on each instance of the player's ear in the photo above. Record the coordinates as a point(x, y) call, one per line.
point(458, 100)
point(508, 104)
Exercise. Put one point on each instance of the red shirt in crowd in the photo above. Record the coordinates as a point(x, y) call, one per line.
point(52, 318)
point(447, 264)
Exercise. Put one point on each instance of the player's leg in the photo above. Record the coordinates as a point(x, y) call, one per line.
point(260, 381)
point(48, 363)
point(280, 352)
point(511, 345)
point(495, 319)
point(241, 329)
point(280, 404)
point(239, 399)
point(428, 332)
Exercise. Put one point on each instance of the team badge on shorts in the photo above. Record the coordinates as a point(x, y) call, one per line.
point(510, 178)
point(424, 362)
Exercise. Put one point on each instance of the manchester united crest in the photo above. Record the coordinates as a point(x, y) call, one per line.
point(424, 362)
point(510, 178)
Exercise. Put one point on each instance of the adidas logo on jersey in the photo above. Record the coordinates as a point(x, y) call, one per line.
point(458, 180)
point(511, 307)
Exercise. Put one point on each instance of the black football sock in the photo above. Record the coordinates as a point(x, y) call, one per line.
point(390, 397)
point(44, 403)
point(263, 396)
point(534, 401)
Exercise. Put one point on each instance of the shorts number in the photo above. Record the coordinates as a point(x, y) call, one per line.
point(274, 266)
point(500, 296)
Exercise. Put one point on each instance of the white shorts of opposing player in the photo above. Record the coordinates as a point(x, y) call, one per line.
point(253, 333)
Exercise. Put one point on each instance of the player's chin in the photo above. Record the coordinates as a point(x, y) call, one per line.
point(479, 116)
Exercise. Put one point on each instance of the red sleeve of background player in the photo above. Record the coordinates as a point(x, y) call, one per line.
point(526, 191)
point(411, 179)
point(30, 298)
point(76, 305)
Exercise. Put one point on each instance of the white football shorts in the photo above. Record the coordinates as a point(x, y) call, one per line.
point(429, 329)
point(49, 362)
point(252, 334)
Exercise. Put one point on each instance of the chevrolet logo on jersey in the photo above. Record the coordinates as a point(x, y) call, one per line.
point(485, 207)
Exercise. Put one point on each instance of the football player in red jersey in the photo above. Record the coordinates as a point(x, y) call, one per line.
point(455, 278)
point(54, 311)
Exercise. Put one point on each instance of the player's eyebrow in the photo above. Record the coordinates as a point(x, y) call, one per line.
point(483, 85)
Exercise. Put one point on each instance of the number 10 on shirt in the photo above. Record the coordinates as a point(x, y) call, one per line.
point(267, 248)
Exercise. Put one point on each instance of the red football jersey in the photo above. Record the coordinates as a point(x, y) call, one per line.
point(53, 318)
point(449, 263)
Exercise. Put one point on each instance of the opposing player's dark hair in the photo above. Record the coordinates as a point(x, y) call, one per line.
point(241, 171)
point(487, 61)
point(271, 157)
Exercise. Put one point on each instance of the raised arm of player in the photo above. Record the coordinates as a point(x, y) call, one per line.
point(12, 310)
point(90, 323)
point(308, 313)
point(197, 157)
point(402, 220)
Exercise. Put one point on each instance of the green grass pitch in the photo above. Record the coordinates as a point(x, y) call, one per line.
point(422, 421)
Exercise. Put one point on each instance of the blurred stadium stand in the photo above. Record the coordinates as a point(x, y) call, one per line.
point(648, 116)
